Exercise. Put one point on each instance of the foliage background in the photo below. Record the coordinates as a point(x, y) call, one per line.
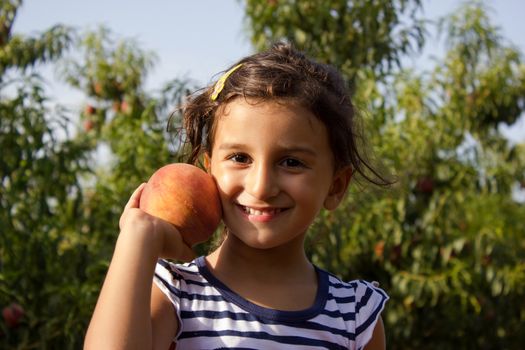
point(447, 241)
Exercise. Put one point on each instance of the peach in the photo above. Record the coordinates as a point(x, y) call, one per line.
point(88, 125)
point(185, 196)
point(89, 110)
point(13, 314)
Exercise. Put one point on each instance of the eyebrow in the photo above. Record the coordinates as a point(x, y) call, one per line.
point(286, 148)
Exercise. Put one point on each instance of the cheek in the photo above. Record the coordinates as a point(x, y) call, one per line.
point(226, 181)
point(296, 187)
point(311, 191)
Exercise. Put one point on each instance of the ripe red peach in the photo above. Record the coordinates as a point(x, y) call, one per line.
point(185, 196)
point(88, 125)
point(89, 110)
point(12, 315)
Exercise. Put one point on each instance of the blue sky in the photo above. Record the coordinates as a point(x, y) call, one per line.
point(199, 38)
point(196, 38)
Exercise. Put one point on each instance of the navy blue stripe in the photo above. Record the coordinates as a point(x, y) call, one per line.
point(382, 292)
point(189, 268)
point(177, 276)
point(164, 263)
point(342, 300)
point(364, 299)
point(189, 272)
point(279, 339)
point(341, 285)
point(171, 288)
point(249, 317)
point(372, 317)
point(189, 296)
point(181, 274)
point(336, 282)
point(349, 316)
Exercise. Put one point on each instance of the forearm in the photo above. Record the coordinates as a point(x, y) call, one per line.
point(121, 319)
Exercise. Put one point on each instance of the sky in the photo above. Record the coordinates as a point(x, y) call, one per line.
point(198, 39)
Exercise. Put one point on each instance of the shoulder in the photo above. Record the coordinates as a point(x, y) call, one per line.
point(361, 304)
point(172, 278)
point(177, 270)
point(170, 269)
point(362, 293)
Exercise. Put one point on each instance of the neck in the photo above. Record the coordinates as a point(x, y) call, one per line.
point(233, 257)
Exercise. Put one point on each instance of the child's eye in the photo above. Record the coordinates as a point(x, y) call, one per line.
point(292, 163)
point(239, 158)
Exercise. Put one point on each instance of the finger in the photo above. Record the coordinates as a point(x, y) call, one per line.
point(134, 200)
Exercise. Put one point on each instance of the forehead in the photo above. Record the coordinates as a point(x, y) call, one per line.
point(279, 122)
point(287, 109)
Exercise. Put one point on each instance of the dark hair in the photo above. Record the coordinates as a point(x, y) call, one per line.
point(283, 73)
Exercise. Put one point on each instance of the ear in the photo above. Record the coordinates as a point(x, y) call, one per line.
point(338, 188)
point(207, 162)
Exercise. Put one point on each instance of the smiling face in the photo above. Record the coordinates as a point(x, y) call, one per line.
point(275, 171)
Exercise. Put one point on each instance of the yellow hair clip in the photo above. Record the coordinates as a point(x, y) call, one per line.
point(219, 85)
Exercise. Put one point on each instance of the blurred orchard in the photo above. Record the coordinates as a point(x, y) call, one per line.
point(447, 241)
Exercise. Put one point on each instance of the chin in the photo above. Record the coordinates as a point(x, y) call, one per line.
point(260, 244)
point(267, 242)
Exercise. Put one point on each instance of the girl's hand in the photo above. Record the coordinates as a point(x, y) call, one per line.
point(167, 239)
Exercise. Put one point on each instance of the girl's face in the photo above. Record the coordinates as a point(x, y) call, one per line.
point(274, 170)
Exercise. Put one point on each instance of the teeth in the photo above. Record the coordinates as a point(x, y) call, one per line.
point(252, 211)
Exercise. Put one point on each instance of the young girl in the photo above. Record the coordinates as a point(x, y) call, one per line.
point(277, 133)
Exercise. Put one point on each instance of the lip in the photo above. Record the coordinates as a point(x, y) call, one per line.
point(260, 214)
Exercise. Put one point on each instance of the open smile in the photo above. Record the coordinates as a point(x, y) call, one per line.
point(260, 214)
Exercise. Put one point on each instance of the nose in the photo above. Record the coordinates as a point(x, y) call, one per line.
point(261, 181)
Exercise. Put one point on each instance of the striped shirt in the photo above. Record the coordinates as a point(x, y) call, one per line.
point(212, 316)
